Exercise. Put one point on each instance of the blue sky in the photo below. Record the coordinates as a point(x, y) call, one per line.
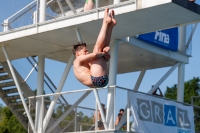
point(55, 69)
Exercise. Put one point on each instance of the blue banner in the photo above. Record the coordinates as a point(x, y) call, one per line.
point(167, 39)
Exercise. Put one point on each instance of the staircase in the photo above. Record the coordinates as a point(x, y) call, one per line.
point(9, 94)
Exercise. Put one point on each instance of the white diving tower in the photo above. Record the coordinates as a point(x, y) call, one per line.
point(54, 38)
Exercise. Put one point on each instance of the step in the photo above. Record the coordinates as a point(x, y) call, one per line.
point(18, 103)
point(14, 97)
point(9, 91)
point(4, 77)
point(21, 109)
point(2, 70)
point(7, 84)
point(21, 115)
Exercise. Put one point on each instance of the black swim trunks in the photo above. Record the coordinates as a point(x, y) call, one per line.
point(100, 81)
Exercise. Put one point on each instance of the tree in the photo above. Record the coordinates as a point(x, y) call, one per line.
point(81, 118)
point(9, 123)
point(191, 89)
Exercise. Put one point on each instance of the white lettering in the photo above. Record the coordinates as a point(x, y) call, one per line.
point(162, 37)
point(148, 112)
point(183, 118)
point(169, 117)
point(157, 35)
point(157, 110)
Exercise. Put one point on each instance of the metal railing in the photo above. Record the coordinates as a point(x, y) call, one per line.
point(79, 123)
point(54, 9)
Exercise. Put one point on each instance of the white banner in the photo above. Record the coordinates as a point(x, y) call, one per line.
point(155, 115)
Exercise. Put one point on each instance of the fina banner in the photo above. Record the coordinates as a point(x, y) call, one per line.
point(155, 115)
point(167, 39)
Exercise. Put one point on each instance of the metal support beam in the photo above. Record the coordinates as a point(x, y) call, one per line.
point(112, 81)
point(42, 115)
point(5, 25)
point(100, 109)
point(96, 113)
point(40, 91)
point(61, 7)
point(71, 6)
point(191, 35)
point(51, 127)
point(75, 122)
point(182, 39)
point(30, 72)
point(78, 34)
point(180, 87)
point(60, 86)
point(128, 112)
point(117, 1)
point(97, 3)
point(19, 89)
point(137, 85)
point(163, 78)
point(42, 10)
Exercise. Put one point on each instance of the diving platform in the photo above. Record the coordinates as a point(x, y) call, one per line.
point(54, 38)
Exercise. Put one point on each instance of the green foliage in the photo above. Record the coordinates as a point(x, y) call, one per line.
point(81, 118)
point(191, 89)
point(9, 123)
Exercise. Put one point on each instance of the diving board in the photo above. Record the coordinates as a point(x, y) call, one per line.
point(55, 38)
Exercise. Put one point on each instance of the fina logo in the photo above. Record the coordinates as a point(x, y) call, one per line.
point(162, 37)
point(167, 115)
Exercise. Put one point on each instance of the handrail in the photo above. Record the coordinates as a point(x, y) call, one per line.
point(116, 87)
point(22, 9)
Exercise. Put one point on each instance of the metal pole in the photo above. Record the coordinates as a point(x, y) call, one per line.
point(112, 81)
point(5, 25)
point(18, 88)
point(78, 35)
point(180, 87)
point(114, 105)
point(60, 86)
point(67, 112)
point(29, 103)
point(191, 35)
point(42, 10)
point(96, 120)
point(80, 128)
point(192, 101)
point(139, 80)
point(37, 12)
point(100, 109)
point(117, 1)
point(75, 122)
point(40, 91)
point(42, 114)
point(182, 39)
point(181, 67)
point(71, 6)
point(61, 7)
point(30, 73)
point(163, 78)
point(128, 112)
point(97, 3)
